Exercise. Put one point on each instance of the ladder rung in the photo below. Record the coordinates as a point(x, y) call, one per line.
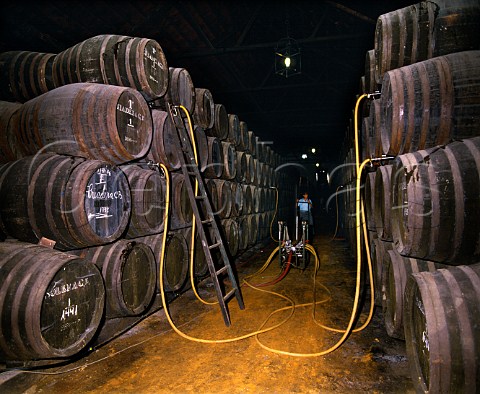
point(221, 270)
point(206, 221)
point(191, 173)
point(229, 294)
point(214, 245)
point(200, 197)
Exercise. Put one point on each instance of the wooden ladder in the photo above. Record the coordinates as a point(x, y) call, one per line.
point(207, 227)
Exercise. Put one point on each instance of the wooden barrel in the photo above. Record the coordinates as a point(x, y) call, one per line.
point(237, 199)
point(180, 202)
point(223, 207)
point(247, 199)
point(176, 258)
point(234, 135)
point(212, 192)
point(375, 133)
point(240, 173)
point(90, 120)
point(204, 113)
point(176, 262)
point(441, 329)
point(364, 138)
point(73, 201)
point(200, 265)
point(397, 269)
point(164, 142)
point(261, 227)
point(404, 36)
point(215, 166)
point(371, 85)
point(251, 143)
point(51, 302)
point(129, 273)
point(253, 226)
point(268, 175)
point(229, 160)
point(370, 200)
point(220, 123)
point(133, 62)
point(431, 103)
point(243, 142)
point(181, 90)
point(255, 198)
point(250, 169)
point(378, 255)
point(148, 201)
point(268, 155)
point(10, 149)
point(201, 146)
point(443, 227)
point(383, 202)
point(25, 75)
point(243, 233)
point(231, 233)
point(259, 175)
point(259, 149)
point(456, 28)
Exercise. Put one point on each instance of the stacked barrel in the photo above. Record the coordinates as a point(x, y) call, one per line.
point(82, 199)
point(422, 206)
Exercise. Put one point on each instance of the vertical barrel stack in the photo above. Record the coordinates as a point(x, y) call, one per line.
point(420, 114)
point(82, 134)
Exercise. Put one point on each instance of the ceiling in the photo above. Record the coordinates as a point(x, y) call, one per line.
point(228, 47)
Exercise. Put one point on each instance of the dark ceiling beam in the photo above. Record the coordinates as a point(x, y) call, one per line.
point(250, 23)
point(244, 48)
point(351, 12)
point(319, 24)
point(195, 26)
point(230, 66)
point(283, 87)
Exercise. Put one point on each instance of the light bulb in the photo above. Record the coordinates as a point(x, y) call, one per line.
point(287, 62)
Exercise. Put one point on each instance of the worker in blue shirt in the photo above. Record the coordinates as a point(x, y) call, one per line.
point(305, 211)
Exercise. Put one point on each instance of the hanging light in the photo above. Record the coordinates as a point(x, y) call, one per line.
point(287, 57)
point(287, 53)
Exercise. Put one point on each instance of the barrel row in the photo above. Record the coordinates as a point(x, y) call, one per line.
point(433, 307)
point(135, 62)
point(25, 75)
point(420, 32)
point(420, 206)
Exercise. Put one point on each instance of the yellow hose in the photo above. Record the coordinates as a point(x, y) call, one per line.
point(336, 212)
point(276, 208)
point(308, 247)
point(192, 243)
point(162, 289)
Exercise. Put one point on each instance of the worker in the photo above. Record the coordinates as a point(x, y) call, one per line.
point(305, 212)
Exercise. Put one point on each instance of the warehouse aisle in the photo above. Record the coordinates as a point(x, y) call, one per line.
point(152, 358)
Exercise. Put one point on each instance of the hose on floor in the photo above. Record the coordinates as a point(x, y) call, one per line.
point(292, 307)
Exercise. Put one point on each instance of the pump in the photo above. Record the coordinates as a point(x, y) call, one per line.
point(299, 255)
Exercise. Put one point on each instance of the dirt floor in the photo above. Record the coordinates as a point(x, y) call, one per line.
point(152, 358)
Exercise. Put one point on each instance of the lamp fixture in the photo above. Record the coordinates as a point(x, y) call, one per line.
point(287, 53)
point(287, 57)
